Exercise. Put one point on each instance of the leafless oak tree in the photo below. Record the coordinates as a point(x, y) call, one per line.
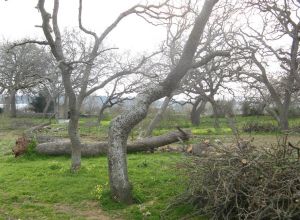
point(271, 52)
point(68, 66)
point(122, 125)
point(21, 68)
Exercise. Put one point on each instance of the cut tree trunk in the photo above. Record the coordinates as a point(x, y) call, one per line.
point(59, 147)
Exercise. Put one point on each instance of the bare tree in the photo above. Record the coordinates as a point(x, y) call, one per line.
point(21, 68)
point(118, 94)
point(122, 125)
point(203, 84)
point(85, 62)
point(271, 51)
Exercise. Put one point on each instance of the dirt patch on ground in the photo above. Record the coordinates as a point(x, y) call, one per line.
point(267, 140)
point(88, 210)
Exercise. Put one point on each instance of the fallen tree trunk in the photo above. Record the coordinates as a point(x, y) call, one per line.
point(98, 148)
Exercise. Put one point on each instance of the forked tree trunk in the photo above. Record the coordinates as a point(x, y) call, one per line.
point(158, 117)
point(281, 117)
point(121, 126)
point(13, 107)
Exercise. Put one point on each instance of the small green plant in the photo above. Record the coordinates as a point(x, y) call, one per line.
point(143, 164)
point(99, 190)
point(55, 166)
point(31, 150)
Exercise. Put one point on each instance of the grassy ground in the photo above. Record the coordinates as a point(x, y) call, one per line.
point(40, 187)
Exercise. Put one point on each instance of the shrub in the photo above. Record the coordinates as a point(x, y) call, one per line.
point(259, 127)
point(244, 183)
point(294, 111)
point(252, 108)
point(39, 102)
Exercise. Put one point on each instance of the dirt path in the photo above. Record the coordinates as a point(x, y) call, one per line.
point(89, 210)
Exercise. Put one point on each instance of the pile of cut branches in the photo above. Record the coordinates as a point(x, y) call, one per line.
point(235, 182)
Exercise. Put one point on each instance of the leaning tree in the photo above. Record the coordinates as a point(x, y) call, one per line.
point(121, 126)
point(269, 44)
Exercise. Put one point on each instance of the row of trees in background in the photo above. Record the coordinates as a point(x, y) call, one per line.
point(262, 60)
point(207, 54)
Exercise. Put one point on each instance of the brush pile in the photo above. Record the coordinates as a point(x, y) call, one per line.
point(243, 182)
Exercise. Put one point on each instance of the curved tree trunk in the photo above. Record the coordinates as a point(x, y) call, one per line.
point(281, 117)
point(13, 107)
point(101, 114)
point(157, 117)
point(121, 126)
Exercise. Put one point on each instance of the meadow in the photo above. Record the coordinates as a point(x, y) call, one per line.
point(42, 187)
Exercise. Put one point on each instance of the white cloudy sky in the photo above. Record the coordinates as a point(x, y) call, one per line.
point(18, 18)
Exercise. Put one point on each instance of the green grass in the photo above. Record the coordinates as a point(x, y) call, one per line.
point(42, 187)
point(207, 124)
point(33, 186)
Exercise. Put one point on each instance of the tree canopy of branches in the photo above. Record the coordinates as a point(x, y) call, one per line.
point(75, 57)
point(270, 50)
point(21, 68)
point(122, 125)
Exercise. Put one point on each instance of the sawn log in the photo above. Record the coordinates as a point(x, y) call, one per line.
point(93, 149)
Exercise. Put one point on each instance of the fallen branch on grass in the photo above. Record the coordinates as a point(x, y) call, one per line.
point(93, 149)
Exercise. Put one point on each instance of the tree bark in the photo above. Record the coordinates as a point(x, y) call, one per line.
point(59, 147)
point(157, 117)
point(121, 126)
point(74, 107)
point(283, 118)
point(7, 104)
point(196, 111)
point(56, 107)
point(46, 108)
point(66, 107)
point(101, 114)
point(216, 115)
point(13, 108)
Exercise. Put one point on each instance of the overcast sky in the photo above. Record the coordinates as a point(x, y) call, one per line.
point(18, 18)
